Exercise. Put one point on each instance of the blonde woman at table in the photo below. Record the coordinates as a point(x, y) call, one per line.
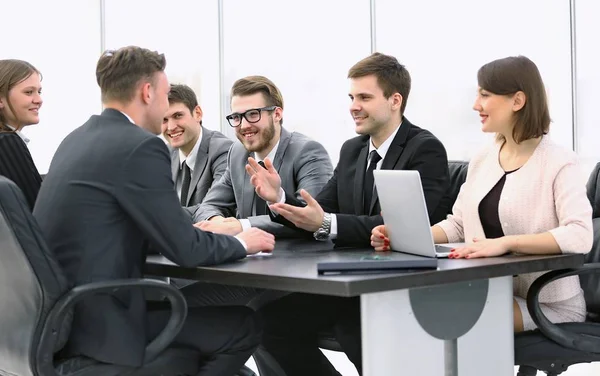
point(523, 193)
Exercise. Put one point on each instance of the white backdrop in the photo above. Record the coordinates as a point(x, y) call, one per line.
point(588, 80)
point(443, 49)
point(186, 31)
point(306, 48)
point(65, 49)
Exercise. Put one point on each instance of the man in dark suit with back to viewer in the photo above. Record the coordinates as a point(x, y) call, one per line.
point(108, 196)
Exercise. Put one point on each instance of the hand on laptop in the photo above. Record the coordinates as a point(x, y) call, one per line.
point(482, 248)
point(379, 239)
point(266, 181)
point(257, 240)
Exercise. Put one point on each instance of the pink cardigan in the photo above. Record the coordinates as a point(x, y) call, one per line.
point(547, 194)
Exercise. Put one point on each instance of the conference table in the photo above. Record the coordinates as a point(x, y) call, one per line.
point(453, 320)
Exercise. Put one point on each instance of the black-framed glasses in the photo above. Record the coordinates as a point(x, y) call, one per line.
point(252, 116)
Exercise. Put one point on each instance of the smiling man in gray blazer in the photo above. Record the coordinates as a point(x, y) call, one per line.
point(302, 163)
point(198, 155)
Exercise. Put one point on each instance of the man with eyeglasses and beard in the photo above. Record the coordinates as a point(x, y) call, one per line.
point(302, 164)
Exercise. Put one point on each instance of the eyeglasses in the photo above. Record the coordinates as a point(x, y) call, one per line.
point(252, 116)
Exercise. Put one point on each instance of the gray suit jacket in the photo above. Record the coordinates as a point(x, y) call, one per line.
point(210, 165)
point(301, 163)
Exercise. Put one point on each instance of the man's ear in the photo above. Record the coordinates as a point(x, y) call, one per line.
point(197, 114)
point(519, 100)
point(278, 114)
point(146, 92)
point(397, 101)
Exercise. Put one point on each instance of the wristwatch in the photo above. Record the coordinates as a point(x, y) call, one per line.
point(323, 232)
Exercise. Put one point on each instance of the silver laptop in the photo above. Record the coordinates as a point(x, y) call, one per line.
point(405, 213)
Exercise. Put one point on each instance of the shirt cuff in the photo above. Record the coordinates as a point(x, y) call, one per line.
point(243, 243)
point(333, 232)
point(281, 200)
point(245, 224)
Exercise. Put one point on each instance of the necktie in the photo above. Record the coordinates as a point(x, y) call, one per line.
point(368, 186)
point(260, 204)
point(185, 183)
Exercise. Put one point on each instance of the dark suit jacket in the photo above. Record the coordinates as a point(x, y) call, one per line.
point(111, 182)
point(302, 163)
point(211, 162)
point(413, 148)
point(17, 165)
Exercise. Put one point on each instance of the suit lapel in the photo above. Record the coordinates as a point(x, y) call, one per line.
point(393, 155)
point(359, 178)
point(247, 189)
point(174, 164)
point(284, 141)
point(201, 162)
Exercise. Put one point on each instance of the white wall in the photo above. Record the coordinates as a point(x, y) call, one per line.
point(588, 80)
point(443, 49)
point(185, 31)
point(306, 48)
point(65, 49)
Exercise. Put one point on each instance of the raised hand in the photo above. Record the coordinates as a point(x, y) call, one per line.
point(266, 181)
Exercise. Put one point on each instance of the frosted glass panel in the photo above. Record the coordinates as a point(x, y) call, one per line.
point(185, 31)
point(306, 48)
point(588, 79)
point(65, 49)
point(443, 44)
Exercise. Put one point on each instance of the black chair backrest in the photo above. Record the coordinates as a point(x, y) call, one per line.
point(31, 281)
point(458, 175)
point(591, 282)
point(593, 190)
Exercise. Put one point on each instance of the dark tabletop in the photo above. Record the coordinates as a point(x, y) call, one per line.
point(293, 267)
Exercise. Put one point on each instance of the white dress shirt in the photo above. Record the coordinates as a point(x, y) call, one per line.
point(20, 134)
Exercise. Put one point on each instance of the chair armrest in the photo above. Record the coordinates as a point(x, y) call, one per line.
point(66, 303)
point(565, 338)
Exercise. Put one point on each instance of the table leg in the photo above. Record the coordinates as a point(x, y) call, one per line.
point(394, 341)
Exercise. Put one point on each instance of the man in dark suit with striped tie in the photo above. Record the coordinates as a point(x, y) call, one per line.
point(347, 209)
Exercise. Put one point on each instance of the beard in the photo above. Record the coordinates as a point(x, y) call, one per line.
point(265, 136)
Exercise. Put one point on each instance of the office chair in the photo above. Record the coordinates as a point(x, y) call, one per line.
point(554, 347)
point(37, 307)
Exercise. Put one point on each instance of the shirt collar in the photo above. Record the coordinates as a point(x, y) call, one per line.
point(20, 134)
point(128, 117)
point(271, 155)
point(385, 146)
point(190, 160)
